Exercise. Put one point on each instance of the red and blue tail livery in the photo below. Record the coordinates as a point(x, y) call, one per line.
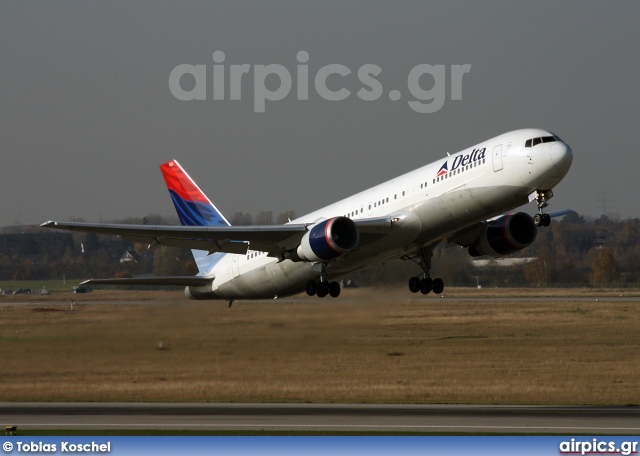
point(192, 205)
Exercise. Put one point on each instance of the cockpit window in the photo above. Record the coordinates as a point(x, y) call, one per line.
point(545, 139)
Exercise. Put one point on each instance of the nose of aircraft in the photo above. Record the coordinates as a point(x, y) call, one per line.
point(561, 155)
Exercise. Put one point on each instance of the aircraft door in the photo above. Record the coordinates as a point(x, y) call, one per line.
point(235, 265)
point(497, 158)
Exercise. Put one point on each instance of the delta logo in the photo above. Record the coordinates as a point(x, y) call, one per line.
point(462, 160)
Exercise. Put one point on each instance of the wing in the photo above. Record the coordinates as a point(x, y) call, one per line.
point(229, 239)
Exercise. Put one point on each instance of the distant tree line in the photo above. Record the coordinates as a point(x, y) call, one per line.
point(573, 252)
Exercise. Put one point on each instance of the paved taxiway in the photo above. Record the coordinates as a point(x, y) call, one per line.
point(325, 417)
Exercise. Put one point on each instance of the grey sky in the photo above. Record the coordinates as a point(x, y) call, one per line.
point(86, 115)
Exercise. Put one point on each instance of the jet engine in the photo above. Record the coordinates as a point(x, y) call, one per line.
point(505, 235)
point(328, 240)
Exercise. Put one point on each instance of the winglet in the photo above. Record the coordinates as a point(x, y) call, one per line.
point(192, 205)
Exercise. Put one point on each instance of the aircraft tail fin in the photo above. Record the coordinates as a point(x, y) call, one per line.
point(193, 207)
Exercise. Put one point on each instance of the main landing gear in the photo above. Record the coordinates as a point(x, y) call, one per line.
point(424, 283)
point(542, 219)
point(324, 287)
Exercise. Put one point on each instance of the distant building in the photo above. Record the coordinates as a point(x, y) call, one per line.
point(129, 256)
point(502, 262)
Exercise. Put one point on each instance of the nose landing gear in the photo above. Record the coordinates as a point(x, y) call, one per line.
point(541, 197)
point(542, 219)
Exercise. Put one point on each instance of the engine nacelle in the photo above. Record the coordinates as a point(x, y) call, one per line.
point(328, 240)
point(505, 235)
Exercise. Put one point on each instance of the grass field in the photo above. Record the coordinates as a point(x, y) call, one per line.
point(366, 346)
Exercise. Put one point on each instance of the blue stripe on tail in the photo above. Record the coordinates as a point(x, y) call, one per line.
point(193, 213)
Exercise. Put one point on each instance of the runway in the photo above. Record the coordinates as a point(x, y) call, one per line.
point(410, 298)
point(472, 419)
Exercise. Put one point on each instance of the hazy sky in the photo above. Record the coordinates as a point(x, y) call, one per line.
point(86, 114)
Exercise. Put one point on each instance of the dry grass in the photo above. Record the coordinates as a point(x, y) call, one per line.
point(375, 347)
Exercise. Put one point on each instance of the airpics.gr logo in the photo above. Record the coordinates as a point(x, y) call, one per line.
point(462, 160)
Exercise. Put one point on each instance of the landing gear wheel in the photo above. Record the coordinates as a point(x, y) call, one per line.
point(414, 284)
point(323, 289)
point(546, 220)
point(425, 285)
point(438, 286)
point(334, 289)
point(311, 288)
point(537, 220)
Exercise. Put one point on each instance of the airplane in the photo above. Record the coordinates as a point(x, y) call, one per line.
point(462, 199)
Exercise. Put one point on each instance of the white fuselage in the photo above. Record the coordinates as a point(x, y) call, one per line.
point(433, 202)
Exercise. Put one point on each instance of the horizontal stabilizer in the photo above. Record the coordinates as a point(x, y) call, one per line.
point(180, 281)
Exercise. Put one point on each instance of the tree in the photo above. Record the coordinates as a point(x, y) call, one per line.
point(284, 217)
point(165, 262)
point(264, 218)
point(604, 268)
point(540, 271)
point(627, 236)
point(28, 245)
point(241, 219)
